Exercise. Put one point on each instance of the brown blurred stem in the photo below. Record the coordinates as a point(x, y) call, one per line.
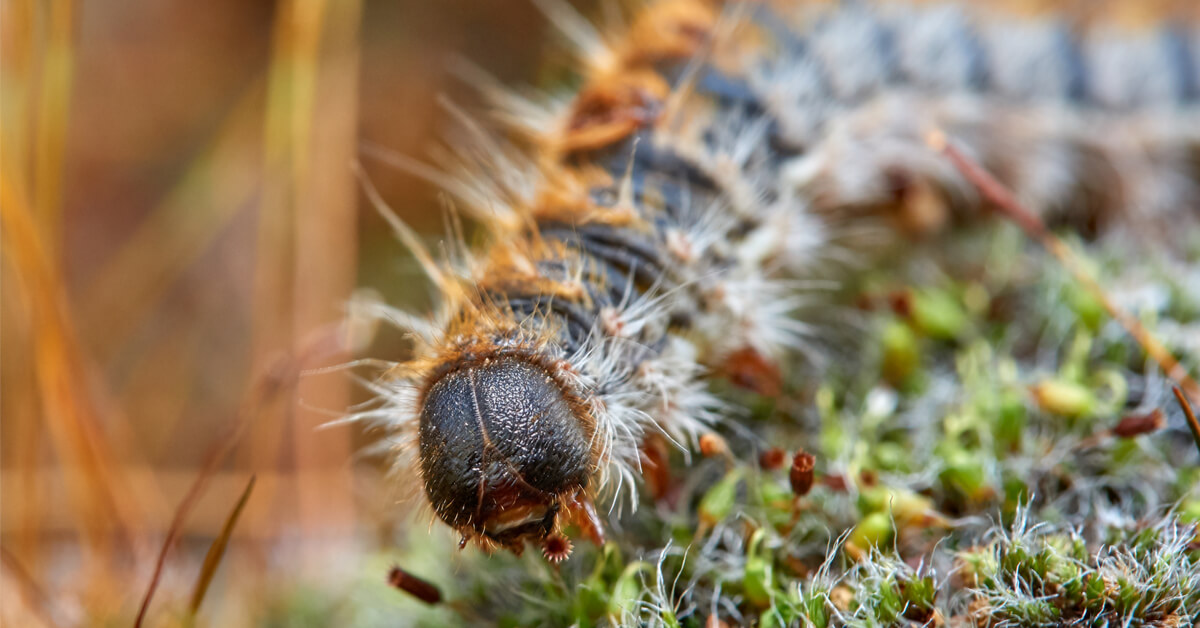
point(1011, 208)
point(212, 560)
point(34, 595)
point(66, 385)
point(1191, 416)
point(54, 100)
point(272, 382)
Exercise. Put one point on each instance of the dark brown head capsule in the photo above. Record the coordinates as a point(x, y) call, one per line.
point(502, 450)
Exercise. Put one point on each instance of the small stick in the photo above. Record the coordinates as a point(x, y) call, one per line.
point(1032, 225)
point(1191, 416)
point(1130, 426)
point(414, 586)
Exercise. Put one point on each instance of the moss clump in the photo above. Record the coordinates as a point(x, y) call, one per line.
point(966, 470)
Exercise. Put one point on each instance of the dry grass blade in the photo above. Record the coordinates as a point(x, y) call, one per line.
point(327, 216)
point(306, 240)
point(22, 414)
point(215, 456)
point(35, 597)
point(1191, 416)
point(66, 383)
point(262, 394)
point(53, 112)
point(124, 291)
point(70, 406)
point(18, 63)
point(213, 559)
point(279, 377)
point(296, 37)
point(1010, 207)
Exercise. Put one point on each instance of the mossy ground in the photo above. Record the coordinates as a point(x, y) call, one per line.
point(990, 451)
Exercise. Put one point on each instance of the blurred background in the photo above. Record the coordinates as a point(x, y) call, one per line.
point(182, 228)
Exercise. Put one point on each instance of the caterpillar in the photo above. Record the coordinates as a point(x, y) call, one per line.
point(647, 230)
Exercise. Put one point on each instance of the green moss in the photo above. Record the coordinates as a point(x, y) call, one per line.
point(978, 443)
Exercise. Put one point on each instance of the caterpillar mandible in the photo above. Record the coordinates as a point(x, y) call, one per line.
point(647, 233)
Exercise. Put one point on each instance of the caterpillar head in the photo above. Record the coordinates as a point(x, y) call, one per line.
point(504, 452)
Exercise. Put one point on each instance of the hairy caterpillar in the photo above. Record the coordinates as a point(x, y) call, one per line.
point(648, 234)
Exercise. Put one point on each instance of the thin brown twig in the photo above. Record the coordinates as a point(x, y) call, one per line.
point(271, 384)
point(1007, 204)
point(1191, 416)
point(417, 587)
point(215, 456)
point(281, 376)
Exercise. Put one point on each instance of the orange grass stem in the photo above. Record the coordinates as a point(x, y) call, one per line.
point(65, 381)
point(1193, 424)
point(53, 117)
point(1007, 204)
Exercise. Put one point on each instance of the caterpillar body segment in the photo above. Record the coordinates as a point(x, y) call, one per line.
point(650, 233)
point(1026, 97)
